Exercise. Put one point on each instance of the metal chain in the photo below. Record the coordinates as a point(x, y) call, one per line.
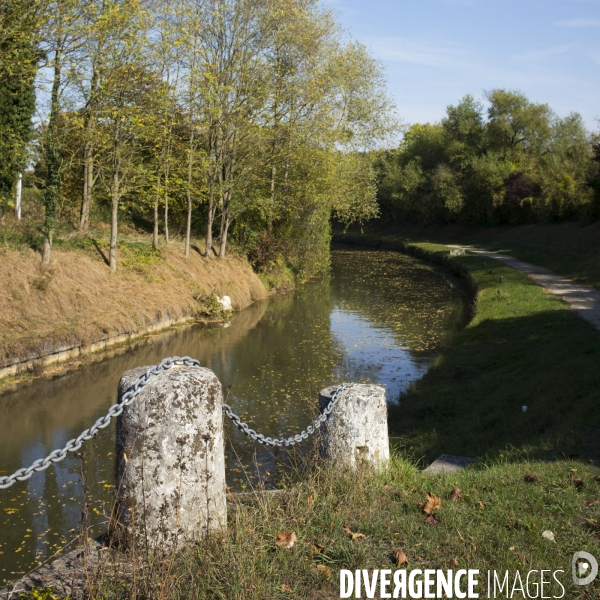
point(291, 441)
point(114, 411)
point(129, 396)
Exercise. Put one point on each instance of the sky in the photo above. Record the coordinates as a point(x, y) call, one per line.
point(436, 51)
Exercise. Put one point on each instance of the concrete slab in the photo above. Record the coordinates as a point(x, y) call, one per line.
point(445, 463)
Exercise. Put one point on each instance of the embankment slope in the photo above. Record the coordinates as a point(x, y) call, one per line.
point(78, 302)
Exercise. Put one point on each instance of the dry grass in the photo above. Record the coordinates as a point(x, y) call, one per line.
point(78, 300)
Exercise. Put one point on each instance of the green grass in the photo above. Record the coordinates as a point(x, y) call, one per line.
point(496, 525)
point(570, 249)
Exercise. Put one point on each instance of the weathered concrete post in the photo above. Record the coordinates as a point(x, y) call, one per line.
point(170, 475)
point(357, 430)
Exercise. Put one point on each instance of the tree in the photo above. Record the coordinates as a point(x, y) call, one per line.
point(19, 54)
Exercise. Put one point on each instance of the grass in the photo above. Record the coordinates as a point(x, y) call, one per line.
point(496, 523)
point(570, 249)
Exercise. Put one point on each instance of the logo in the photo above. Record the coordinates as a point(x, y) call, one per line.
point(585, 568)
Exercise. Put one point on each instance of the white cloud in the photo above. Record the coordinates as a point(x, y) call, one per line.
point(418, 52)
point(580, 23)
point(542, 53)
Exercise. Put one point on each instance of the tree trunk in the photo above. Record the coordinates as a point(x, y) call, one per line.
point(224, 231)
point(88, 154)
point(272, 207)
point(53, 177)
point(166, 213)
point(211, 217)
point(47, 249)
point(225, 222)
point(156, 199)
point(188, 229)
point(88, 180)
point(114, 219)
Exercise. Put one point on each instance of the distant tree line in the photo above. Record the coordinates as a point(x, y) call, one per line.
point(222, 118)
point(516, 162)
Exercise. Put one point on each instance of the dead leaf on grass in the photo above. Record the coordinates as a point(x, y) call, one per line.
point(453, 563)
point(310, 501)
point(480, 505)
point(456, 494)
point(432, 503)
point(317, 548)
point(400, 557)
point(354, 536)
point(325, 570)
point(432, 520)
point(473, 488)
point(531, 478)
point(578, 483)
point(286, 588)
point(400, 494)
point(286, 540)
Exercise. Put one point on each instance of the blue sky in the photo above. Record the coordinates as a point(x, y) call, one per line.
point(436, 51)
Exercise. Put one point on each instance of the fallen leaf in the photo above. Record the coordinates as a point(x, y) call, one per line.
point(578, 483)
point(432, 520)
point(473, 488)
point(591, 502)
point(456, 494)
point(400, 494)
point(286, 540)
point(286, 588)
point(433, 503)
point(10, 511)
point(511, 548)
point(573, 470)
point(325, 570)
point(317, 548)
point(400, 557)
point(453, 563)
point(531, 477)
point(480, 505)
point(354, 536)
point(229, 497)
point(522, 557)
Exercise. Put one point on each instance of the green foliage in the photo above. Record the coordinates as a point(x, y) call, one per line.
point(18, 58)
point(37, 593)
point(520, 164)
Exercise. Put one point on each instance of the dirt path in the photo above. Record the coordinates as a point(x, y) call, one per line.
point(585, 301)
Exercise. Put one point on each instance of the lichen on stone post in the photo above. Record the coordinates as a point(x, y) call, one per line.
point(170, 471)
point(357, 430)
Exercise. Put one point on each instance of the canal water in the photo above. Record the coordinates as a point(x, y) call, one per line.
point(381, 317)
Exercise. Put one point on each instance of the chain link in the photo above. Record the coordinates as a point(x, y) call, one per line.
point(114, 411)
point(291, 441)
point(129, 396)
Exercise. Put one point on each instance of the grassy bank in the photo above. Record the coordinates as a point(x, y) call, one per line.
point(538, 471)
point(78, 301)
point(570, 249)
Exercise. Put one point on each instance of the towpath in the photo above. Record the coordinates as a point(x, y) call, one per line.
point(584, 300)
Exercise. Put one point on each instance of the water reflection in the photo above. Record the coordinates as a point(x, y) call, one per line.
point(380, 318)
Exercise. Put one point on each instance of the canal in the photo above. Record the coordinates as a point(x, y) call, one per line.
point(381, 317)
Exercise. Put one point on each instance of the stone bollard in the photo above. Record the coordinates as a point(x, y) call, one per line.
point(357, 430)
point(170, 476)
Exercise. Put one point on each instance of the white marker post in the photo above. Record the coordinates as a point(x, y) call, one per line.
point(18, 201)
